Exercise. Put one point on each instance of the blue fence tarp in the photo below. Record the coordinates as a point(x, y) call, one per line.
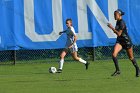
point(33, 24)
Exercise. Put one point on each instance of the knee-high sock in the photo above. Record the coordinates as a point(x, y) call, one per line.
point(115, 60)
point(61, 64)
point(82, 61)
point(135, 64)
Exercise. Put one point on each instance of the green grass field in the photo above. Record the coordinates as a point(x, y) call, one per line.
point(35, 78)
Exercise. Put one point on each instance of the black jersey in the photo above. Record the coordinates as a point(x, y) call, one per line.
point(124, 39)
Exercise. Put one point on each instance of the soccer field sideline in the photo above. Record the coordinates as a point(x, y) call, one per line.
point(35, 78)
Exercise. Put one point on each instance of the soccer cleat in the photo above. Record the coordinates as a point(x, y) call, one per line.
point(87, 65)
point(137, 75)
point(116, 73)
point(59, 71)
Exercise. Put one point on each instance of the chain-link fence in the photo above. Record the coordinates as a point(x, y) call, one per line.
point(52, 55)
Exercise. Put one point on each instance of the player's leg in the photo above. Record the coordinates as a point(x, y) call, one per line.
point(131, 57)
point(117, 49)
point(75, 57)
point(62, 56)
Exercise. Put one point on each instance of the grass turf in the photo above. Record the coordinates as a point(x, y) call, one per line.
point(35, 78)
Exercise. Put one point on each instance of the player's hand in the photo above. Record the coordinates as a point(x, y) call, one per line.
point(70, 46)
point(60, 33)
point(110, 26)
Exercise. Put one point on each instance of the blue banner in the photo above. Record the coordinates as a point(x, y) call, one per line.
point(34, 24)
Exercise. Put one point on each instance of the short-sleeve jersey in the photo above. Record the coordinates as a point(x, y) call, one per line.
point(70, 32)
point(124, 38)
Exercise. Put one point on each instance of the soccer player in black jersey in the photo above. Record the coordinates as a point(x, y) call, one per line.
point(123, 42)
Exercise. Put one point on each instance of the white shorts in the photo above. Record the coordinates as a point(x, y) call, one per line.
point(74, 48)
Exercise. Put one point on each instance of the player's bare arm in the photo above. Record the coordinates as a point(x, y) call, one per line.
point(75, 39)
point(118, 33)
point(62, 32)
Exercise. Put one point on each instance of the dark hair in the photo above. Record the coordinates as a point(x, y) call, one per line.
point(69, 19)
point(120, 12)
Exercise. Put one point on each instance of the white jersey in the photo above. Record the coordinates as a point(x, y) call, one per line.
point(70, 37)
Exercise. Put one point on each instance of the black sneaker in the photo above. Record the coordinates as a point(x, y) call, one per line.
point(59, 71)
point(87, 65)
point(138, 73)
point(116, 73)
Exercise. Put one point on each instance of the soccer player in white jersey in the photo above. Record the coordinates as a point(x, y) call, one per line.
point(70, 46)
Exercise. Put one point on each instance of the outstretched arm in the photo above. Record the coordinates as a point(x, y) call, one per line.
point(118, 33)
point(62, 32)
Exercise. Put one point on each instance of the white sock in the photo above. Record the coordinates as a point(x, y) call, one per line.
point(82, 61)
point(61, 64)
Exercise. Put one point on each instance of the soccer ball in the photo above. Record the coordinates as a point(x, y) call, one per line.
point(52, 70)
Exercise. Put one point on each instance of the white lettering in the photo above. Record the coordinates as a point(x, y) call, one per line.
point(102, 20)
point(83, 33)
point(30, 26)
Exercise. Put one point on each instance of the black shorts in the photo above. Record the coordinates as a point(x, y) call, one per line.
point(125, 45)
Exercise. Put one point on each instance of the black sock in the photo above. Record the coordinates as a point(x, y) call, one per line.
point(135, 64)
point(116, 63)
